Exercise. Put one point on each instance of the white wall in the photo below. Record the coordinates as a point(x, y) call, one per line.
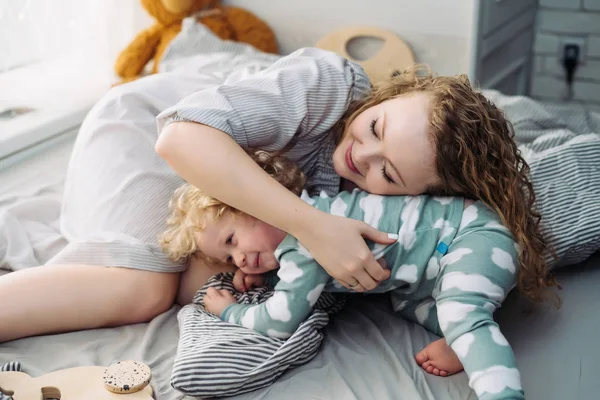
point(561, 21)
point(93, 31)
point(437, 31)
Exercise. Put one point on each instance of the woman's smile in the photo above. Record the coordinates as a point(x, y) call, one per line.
point(349, 161)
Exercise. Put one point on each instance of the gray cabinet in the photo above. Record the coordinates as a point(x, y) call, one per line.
point(502, 42)
point(490, 40)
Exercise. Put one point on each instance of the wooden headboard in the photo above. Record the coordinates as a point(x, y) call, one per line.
point(438, 32)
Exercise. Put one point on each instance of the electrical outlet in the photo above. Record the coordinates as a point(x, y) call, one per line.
point(571, 54)
point(566, 44)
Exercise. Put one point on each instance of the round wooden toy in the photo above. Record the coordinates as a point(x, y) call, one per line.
point(127, 377)
point(78, 383)
point(394, 54)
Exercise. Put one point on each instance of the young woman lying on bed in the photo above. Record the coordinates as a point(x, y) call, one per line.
point(411, 135)
point(452, 265)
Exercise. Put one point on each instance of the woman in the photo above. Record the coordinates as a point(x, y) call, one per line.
point(411, 136)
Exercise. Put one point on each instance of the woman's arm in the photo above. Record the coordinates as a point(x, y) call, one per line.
point(212, 160)
point(209, 159)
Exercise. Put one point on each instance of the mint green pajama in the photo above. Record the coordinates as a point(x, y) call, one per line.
point(451, 267)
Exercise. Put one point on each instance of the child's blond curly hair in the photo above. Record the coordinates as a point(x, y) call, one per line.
point(190, 205)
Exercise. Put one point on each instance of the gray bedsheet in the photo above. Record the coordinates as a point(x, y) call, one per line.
point(367, 352)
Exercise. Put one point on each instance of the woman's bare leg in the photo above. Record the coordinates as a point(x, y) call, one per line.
point(196, 276)
point(60, 298)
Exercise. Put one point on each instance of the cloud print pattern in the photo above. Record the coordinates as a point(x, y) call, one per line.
point(451, 267)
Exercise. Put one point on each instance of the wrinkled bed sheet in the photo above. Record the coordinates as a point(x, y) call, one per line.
point(367, 351)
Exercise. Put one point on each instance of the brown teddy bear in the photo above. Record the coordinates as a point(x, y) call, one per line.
point(228, 23)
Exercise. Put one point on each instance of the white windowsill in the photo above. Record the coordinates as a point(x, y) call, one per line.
point(60, 94)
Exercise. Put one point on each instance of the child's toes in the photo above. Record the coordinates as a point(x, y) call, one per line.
point(429, 369)
point(443, 373)
point(421, 357)
point(436, 371)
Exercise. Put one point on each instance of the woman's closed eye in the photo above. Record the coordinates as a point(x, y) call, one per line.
point(383, 171)
point(386, 176)
point(372, 127)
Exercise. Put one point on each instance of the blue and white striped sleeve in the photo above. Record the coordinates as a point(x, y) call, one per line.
point(304, 93)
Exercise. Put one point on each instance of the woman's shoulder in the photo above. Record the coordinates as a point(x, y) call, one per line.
point(328, 61)
point(316, 53)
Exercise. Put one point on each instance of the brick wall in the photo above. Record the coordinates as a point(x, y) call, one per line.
point(560, 22)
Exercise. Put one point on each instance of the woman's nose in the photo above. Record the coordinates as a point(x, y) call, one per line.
point(365, 154)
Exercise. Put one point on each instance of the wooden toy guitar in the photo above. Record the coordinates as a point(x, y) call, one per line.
point(126, 380)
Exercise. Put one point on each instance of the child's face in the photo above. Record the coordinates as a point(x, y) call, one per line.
point(241, 240)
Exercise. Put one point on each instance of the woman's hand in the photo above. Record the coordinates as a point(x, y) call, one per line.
point(215, 301)
point(338, 245)
point(243, 282)
point(208, 158)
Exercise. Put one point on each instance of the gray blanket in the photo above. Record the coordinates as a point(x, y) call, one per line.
point(562, 147)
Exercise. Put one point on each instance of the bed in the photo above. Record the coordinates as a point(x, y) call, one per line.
point(367, 351)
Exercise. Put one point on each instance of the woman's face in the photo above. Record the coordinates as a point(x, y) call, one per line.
point(387, 148)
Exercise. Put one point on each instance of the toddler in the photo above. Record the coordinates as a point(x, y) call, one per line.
point(452, 264)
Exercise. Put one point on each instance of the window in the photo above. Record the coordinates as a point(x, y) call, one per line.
point(56, 60)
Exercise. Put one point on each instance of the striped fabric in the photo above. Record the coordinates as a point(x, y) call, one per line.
point(9, 366)
point(567, 184)
point(289, 106)
point(117, 209)
point(217, 359)
point(562, 146)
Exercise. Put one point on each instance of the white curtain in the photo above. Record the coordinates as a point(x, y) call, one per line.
point(87, 33)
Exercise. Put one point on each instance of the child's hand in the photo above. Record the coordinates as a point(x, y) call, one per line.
point(215, 301)
point(243, 282)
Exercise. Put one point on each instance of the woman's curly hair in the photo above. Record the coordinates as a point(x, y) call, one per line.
point(476, 157)
point(190, 206)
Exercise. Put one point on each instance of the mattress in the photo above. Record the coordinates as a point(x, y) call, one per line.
point(367, 351)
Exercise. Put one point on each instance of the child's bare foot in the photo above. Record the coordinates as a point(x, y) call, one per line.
point(439, 359)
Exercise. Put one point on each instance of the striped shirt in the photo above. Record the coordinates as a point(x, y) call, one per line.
point(289, 107)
